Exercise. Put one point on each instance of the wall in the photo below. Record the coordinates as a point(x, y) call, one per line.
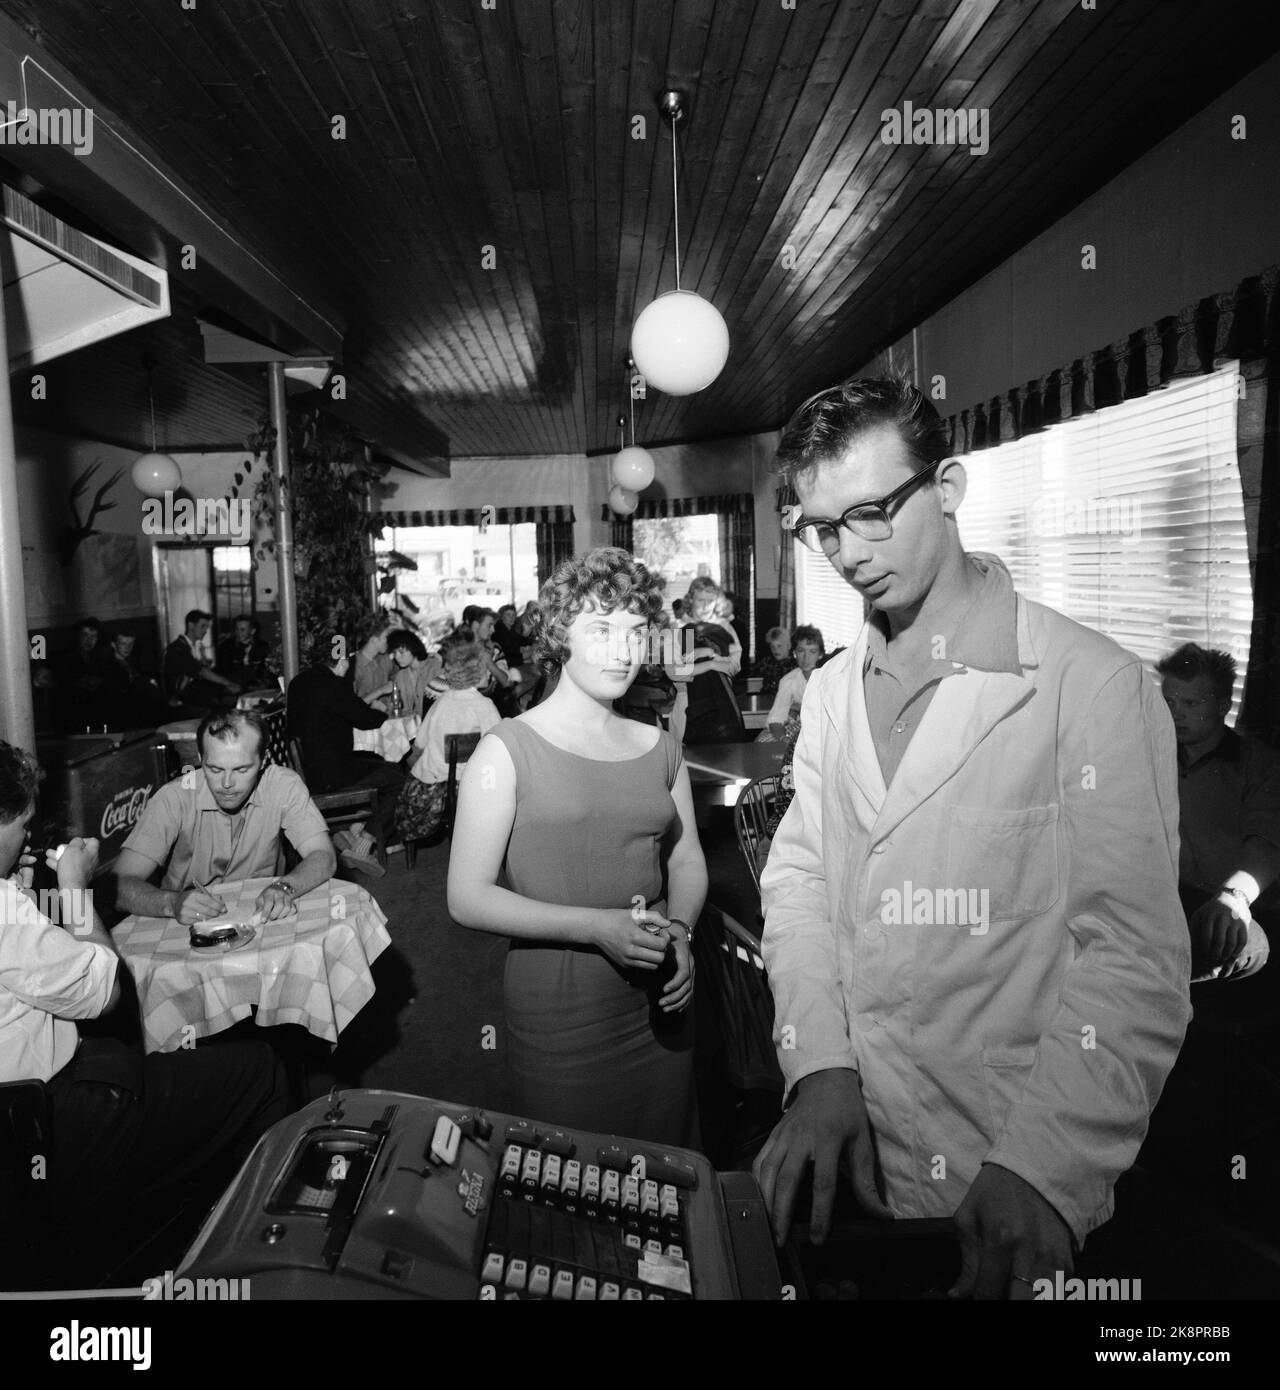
point(1193, 217)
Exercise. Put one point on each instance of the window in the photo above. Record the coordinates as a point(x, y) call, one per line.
point(232, 583)
point(680, 548)
point(1130, 520)
point(824, 600)
point(461, 565)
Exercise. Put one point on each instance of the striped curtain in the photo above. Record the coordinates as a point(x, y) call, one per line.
point(622, 532)
point(737, 527)
point(554, 540)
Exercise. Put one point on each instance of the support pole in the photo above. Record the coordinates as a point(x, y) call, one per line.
point(284, 523)
point(17, 721)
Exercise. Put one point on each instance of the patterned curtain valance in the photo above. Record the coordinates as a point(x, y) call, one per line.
point(1195, 340)
point(725, 504)
point(473, 516)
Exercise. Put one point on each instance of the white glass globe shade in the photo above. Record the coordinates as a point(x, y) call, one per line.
point(680, 343)
point(633, 468)
point(155, 474)
point(623, 501)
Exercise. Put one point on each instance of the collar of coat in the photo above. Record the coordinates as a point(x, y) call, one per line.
point(966, 708)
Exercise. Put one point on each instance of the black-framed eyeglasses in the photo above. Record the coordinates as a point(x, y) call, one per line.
point(870, 520)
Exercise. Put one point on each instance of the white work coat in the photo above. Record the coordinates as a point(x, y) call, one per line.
point(1042, 1043)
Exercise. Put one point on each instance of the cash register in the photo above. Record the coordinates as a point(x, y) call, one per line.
point(379, 1195)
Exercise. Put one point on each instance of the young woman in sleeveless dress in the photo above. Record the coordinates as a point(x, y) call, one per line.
point(575, 837)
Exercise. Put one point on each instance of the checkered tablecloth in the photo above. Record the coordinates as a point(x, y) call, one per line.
point(392, 741)
point(311, 968)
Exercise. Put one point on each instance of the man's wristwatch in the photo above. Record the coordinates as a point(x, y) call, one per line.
point(680, 922)
point(1240, 896)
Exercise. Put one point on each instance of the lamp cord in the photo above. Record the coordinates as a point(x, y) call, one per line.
point(675, 199)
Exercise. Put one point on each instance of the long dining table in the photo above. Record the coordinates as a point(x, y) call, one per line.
point(719, 771)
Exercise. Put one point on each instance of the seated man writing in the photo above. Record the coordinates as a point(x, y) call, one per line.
point(224, 822)
point(1229, 796)
point(125, 1127)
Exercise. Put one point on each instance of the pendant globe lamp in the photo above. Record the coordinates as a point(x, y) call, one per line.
point(680, 341)
point(623, 499)
point(154, 473)
point(633, 467)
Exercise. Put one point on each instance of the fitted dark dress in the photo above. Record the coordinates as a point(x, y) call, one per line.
point(587, 1047)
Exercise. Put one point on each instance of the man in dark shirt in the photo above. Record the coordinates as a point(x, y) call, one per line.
point(79, 674)
point(129, 699)
point(242, 656)
point(1229, 794)
point(323, 714)
point(189, 681)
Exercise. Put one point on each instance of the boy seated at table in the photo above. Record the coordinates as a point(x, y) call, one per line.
point(224, 821)
point(459, 709)
point(126, 1129)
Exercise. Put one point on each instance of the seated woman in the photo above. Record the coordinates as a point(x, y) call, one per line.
point(413, 670)
point(773, 667)
point(808, 649)
point(460, 709)
point(567, 818)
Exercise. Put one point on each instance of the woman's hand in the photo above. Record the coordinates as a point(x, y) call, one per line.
point(679, 991)
point(622, 937)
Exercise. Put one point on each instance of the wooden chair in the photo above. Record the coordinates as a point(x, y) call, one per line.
point(734, 991)
point(343, 808)
point(751, 819)
point(458, 749)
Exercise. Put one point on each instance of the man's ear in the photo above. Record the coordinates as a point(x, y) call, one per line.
point(952, 482)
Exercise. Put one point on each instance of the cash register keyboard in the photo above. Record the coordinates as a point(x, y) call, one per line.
point(565, 1230)
point(376, 1194)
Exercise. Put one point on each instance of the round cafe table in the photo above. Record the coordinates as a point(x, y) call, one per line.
point(311, 968)
point(392, 740)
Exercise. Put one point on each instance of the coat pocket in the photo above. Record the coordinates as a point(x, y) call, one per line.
point(1005, 1071)
point(1011, 855)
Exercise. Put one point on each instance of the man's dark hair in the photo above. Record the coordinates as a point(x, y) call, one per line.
point(826, 424)
point(92, 623)
point(806, 633)
point(246, 618)
point(506, 608)
point(371, 625)
point(197, 615)
point(474, 614)
point(229, 724)
point(19, 776)
point(1190, 662)
point(402, 637)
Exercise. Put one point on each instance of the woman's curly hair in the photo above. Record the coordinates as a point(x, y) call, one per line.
point(611, 578)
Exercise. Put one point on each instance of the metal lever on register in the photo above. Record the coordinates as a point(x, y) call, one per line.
point(334, 1113)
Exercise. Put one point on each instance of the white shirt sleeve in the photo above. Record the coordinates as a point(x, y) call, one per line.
point(47, 968)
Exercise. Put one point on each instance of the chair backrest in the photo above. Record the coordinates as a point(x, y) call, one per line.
point(277, 745)
point(734, 994)
point(750, 818)
point(295, 757)
point(458, 748)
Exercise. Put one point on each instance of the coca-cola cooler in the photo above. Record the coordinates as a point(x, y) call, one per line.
point(96, 785)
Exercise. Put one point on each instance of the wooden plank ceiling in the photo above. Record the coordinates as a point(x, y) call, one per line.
point(511, 127)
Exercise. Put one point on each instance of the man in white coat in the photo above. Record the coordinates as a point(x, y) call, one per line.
point(972, 927)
